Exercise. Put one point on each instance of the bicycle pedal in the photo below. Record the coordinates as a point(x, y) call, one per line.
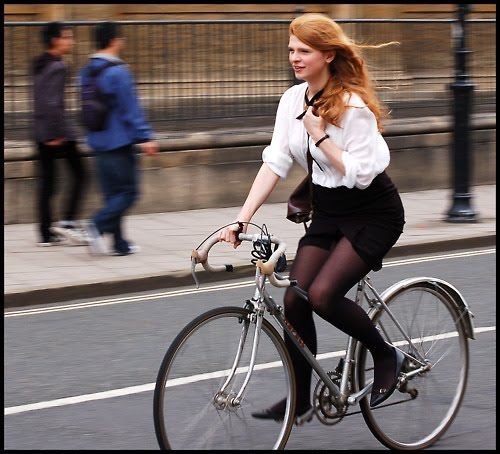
point(405, 388)
point(306, 417)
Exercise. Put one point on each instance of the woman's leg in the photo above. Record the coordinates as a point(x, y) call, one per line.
point(340, 272)
point(308, 261)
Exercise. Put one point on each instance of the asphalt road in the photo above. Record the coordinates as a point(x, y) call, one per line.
point(90, 366)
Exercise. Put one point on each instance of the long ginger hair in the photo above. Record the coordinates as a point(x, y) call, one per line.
point(348, 71)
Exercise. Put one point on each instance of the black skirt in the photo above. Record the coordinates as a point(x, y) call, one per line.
point(372, 219)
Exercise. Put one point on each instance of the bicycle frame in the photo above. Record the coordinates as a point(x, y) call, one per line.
point(262, 301)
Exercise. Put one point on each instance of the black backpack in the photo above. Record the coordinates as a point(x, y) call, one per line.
point(95, 105)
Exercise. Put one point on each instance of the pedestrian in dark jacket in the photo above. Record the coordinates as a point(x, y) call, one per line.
point(55, 136)
point(116, 147)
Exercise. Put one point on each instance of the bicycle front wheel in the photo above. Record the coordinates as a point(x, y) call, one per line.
point(194, 406)
point(420, 411)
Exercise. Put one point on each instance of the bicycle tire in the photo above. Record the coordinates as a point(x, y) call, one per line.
point(189, 418)
point(416, 416)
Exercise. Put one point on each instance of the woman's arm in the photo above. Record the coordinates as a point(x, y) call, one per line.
point(365, 155)
point(277, 163)
point(332, 152)
point(264, 183)
point(315, 126)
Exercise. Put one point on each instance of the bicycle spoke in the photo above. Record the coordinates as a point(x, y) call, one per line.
point(190, 418)
point(430, 319)
point(413, 320)
point(435, 343)
point(445, 354)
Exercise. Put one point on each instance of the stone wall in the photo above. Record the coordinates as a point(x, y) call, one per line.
point(204, 170)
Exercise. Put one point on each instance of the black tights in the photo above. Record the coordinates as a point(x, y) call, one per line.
point(327, 276)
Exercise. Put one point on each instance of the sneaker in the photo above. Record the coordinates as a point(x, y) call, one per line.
point(132, 249)
point(52, 241)
point(74, 235)
point(95, 243)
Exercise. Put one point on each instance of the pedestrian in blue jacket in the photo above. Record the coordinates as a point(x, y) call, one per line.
point(116, 146)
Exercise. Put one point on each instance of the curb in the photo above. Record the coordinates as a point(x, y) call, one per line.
point(182, 278)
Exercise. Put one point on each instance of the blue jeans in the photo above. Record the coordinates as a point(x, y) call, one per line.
point(118, 174)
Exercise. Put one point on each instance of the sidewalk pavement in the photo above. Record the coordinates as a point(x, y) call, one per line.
point(35, 275)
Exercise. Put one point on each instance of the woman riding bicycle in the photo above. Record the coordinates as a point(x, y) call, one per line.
point(357, 212)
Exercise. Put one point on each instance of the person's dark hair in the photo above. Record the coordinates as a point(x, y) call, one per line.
point(52, 30)
point(104, 32)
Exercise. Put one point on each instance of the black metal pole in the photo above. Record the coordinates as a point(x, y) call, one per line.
point(461, 210)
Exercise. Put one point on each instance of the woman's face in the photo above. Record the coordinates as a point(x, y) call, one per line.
point(308, 64)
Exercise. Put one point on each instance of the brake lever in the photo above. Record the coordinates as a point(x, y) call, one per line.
point(195, 258)
point(193, 272)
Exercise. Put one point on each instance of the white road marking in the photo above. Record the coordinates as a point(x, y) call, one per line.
point(129, 299)
point(439, 257)
point(194, 378)
point(214, 288)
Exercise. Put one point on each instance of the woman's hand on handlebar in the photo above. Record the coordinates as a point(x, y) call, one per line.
point(231, 232)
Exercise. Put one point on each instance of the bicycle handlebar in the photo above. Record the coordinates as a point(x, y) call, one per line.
point(267, 268)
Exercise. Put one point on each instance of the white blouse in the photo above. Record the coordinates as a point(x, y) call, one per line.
point(365, 152)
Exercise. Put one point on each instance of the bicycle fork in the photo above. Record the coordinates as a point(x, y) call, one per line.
point(232, 400)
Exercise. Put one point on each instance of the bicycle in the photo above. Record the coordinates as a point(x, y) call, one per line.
point(210, 379)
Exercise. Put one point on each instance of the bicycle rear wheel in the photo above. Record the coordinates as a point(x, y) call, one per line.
point(191, 412)
point(420, 412)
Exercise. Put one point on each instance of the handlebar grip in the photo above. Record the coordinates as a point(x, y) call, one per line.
point(248, 237)
point(201, 256)
point(215, 268)
point(267, 268)
point(279, 282)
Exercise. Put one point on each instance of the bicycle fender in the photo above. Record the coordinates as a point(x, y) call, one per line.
point(445, 289)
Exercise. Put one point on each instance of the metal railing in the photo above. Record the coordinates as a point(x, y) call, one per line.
point(188, 71)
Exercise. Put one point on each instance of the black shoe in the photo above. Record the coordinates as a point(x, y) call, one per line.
point(379, 395)
point(277, 412)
